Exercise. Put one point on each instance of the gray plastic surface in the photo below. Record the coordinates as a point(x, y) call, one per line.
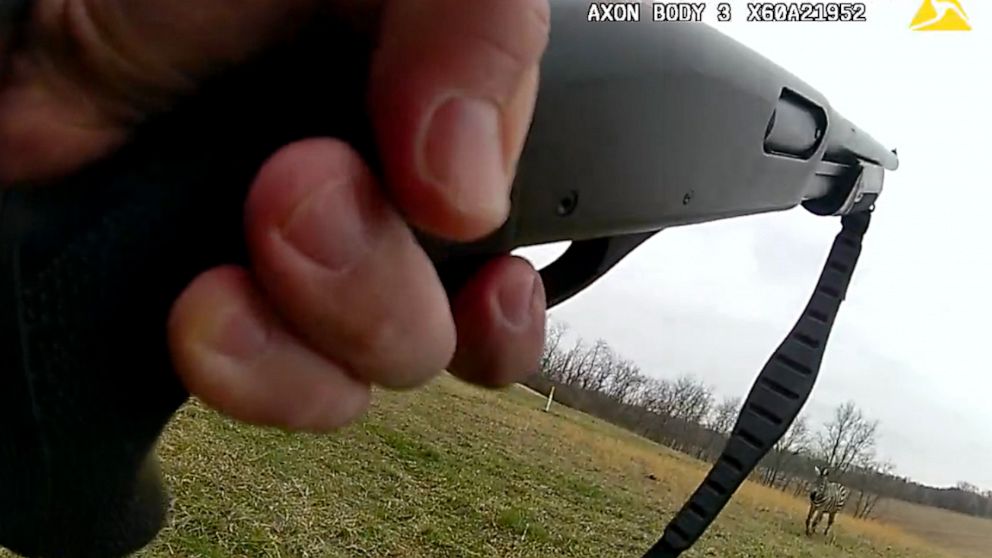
point(661, 125)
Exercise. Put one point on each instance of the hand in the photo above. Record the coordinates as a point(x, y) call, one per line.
point(340, 295)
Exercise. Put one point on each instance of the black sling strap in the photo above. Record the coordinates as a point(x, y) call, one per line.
point(778, 394)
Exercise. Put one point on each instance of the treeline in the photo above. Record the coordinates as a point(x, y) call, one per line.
point(685, 414)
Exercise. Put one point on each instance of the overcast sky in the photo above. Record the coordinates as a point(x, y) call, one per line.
point(911, 344)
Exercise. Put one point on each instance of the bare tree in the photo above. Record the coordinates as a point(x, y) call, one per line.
point(847, 437)
point(682, 413)
point(599, 367)
point(724, 415)
point(656, 397)
point(552, 341)
point(581, 373)
point(691, 399)
point(870, 492)
point(795, 442)
point(720, 422)
point(571, 363)
point(673, 411)
point(626, 381)
point(655, 402)
point(966, 486)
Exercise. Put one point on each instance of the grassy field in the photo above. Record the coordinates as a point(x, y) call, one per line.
point(965, 535)
point(457, 471)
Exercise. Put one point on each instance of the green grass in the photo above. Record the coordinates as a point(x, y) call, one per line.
point(457, 471)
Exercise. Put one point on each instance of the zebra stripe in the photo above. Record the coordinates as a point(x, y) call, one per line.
point(829, 497)
point(825, 497)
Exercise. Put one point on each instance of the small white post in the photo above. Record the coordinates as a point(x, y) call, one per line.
point(551, 397)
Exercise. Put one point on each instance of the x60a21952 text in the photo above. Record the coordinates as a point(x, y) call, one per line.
point(809, 12)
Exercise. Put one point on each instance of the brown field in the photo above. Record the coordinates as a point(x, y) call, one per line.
point(456, 471)
point(962, 535)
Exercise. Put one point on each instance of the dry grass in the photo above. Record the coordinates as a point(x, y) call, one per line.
point(964, 535)
point(458, 471)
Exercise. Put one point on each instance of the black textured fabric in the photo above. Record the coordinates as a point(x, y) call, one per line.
point(89, 268)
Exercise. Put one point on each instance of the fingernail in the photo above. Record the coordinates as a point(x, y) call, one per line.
point(462, 155)
point(328, 226)
point(236, 334)
point(516, 300)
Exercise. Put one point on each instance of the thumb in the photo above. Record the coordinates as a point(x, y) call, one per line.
point(89, 70)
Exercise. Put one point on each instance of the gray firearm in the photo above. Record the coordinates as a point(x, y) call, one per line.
point(638, 127)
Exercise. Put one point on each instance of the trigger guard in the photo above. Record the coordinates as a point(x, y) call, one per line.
point(584, 262)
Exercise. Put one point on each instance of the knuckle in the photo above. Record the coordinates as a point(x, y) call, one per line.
point(397, 352)
point(374, 344)
point(90, 38)
point(514, 31)
point(529, 25)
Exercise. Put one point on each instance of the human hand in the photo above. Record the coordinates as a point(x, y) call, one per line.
point(340, 295)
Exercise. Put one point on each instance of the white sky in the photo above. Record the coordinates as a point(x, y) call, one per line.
point(909, 344)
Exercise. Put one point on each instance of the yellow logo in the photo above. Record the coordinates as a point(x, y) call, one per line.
point(940, 15)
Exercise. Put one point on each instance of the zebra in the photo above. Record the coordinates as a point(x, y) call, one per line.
point(825, 497)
